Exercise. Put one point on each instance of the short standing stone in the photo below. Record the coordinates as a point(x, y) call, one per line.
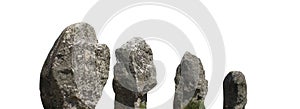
point(134, 74)
point(191, 85)
point(235, 91)
point(75, 71)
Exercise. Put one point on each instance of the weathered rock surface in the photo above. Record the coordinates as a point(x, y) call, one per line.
point(75, 70)
point(134, 74)
point(235, 91)
point(191, 85)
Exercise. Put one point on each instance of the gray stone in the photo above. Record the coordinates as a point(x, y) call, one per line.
point(235, 91)
point(191, 85)
point(134, 74)
point(75, 71)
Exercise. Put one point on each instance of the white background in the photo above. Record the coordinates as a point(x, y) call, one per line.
point(261, 39)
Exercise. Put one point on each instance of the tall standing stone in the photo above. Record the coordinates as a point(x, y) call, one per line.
point(235, 91)
point(191, 85)
point(134, 74)
point(75, 71)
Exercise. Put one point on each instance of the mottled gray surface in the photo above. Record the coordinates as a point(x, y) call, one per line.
point(75, 71)
point(134, 74)
point(235, 91)
point(191, 85)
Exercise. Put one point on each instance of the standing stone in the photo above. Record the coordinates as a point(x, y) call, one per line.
point(75, 70)
point(134, 74)
point(235, 91)
point(191, 85)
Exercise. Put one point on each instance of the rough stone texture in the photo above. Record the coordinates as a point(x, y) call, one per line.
point(75, 70)
point(134, 74)
point(191, 85)
point(235, 91)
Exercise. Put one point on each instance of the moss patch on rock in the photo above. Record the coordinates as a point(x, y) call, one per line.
point(195, 105)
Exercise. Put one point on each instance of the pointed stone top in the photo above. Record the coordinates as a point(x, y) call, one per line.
point(191, 85)
point(189, 56)
point(189, 59)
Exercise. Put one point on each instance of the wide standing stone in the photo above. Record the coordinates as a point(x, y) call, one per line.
point(191, 85)
point(75, 70)
point(235, 91)
point(134, 74)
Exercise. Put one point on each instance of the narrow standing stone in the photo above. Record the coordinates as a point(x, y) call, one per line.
point(134, 74)
point(235, 91)
point(75, 71)
point(191, 85)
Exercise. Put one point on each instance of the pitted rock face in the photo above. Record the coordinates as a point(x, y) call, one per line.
point(235, 91)
point(191, 85)
point(75, 71)
point(134, 73)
